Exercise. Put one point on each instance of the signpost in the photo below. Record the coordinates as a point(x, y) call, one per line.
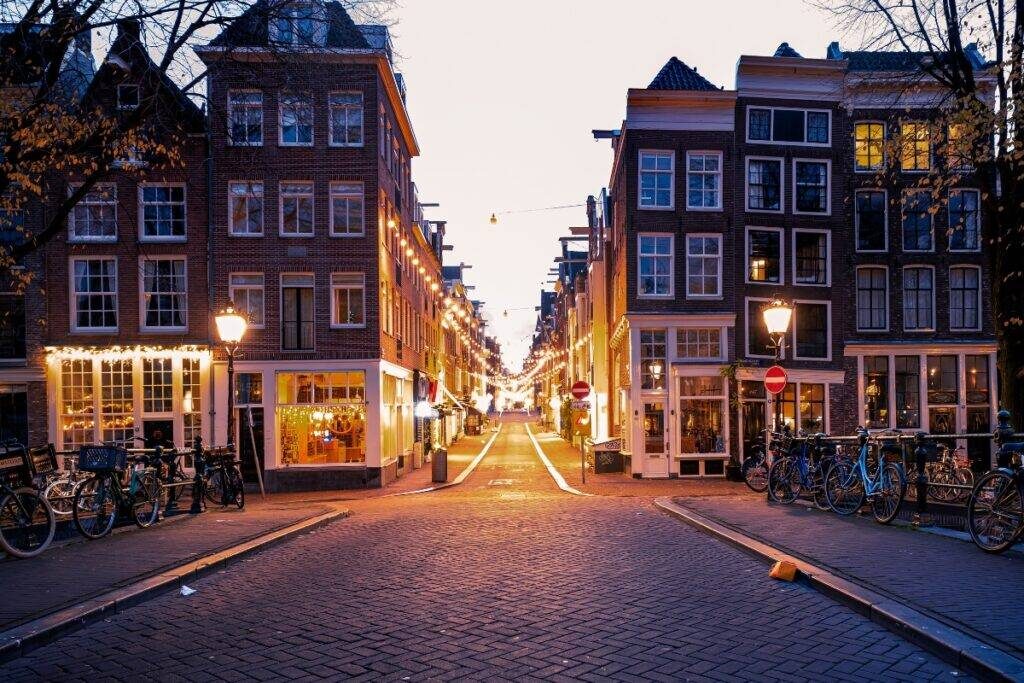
point(581, 421)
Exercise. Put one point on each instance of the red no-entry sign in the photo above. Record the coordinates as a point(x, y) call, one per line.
point(580, 390)
point(775, 379)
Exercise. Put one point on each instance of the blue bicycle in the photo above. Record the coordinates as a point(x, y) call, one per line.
point(802, 468)
point(882, 483)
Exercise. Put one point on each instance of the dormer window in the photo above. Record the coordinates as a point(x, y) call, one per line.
point(299, 24)
point(127, 97)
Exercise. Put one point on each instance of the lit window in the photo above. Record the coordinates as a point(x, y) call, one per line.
point(702, 407)
point(657, 180)
point(908, 391)
point(347, 209)
point(959, 149)
point(876, 392)
point(703, 265)
point(868, 145)
point(652, 355)
point(296, 208)
point(918, 298)
point(94, 217)
point(703, 180)
point(764, 256)
point(296, 120)
point(246, 293)
point(163, 293)
point(245, 117)
point(94, 300)
point(163, 211)
point(157, 385)
point(655, 276)
point(915, 146)
point(77, 404)
point(872, 299)
point(117, 404)
point(192, 408)
point(348, 297)
point(246, 208)
point(346, 118)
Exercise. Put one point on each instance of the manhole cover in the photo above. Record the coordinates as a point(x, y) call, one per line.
point(501, 482)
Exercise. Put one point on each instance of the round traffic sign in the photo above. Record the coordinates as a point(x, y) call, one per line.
point(580, 390)
point(775, 379)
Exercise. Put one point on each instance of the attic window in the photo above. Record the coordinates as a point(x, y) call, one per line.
point(299, 24)
point(127, 97)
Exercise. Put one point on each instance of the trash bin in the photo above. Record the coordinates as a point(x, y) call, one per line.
point(439, 465)
point(608, 456)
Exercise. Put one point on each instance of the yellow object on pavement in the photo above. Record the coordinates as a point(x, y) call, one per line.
point(783, 571)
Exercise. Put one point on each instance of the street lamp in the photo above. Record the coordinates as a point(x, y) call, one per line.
point(231, 326)
point(776, 318)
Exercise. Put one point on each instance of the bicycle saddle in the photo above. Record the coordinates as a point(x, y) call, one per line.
point(1012, 447)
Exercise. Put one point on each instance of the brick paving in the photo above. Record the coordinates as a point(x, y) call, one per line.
point(502, 578)
point(946, 578)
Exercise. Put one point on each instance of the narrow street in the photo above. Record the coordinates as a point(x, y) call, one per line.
point(502, 577)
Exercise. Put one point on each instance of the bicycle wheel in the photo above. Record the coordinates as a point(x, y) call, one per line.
point(885, 504)
point(844, 489)
point(146, 501)
point(995, 512)
point(61, 495)
point(755, 472)
point(783, 480)
point(214, 490)
point(95, 508)
point(27, 523)
point(818, 476)
point(237, 487)
point(965, 478)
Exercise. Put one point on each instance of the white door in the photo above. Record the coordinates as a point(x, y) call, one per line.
point(656, 452)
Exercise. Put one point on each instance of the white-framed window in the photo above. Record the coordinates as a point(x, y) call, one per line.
point(347, 209)
point(871, 220)
point(246, 291)
point(703, 266)
point(652, 351)
point(296, 209)
point(868, 146)
point(812, 262)
point(655, 272)
point(758, 343)
point(657, 179)
point(703, 425)
point(94, 294)
point(764, 184)
point(919, 298)
point(811, 186)
point(872, 299)
point(764, 256)
point(245, 207)
point(699, 343)
point(295, 120)
point(915, 146)
point(918, 232)
point(164, 296)
point(94, 217)
point(162, 213)
point(348, 299)
point(297, 312)
point(964, 220)
point(345, 110)
point(157, 386)
point(789, 126)
point(965, 298)
point(127, 96)
point(812, 330)
point(704, 181)
point(245, 118)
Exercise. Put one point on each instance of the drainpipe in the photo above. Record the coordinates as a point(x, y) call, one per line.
point(211, 287)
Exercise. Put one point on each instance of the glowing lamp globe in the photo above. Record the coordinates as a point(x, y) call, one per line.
point(777, 316)
point(231, 325)
point(423, 409)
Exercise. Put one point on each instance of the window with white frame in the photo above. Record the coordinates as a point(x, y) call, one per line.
point(348, 299)
point(296, 208)
point(94, 294)
point(759, 343)
point(246, 291)
point(157, 385)
point(872, 298)
point(703, 265)
point(94, 217)
point(870, 220)
point(764, 185)
point(917, 221)
point(811, 257)
point(915, 146)
point(964, 298)
point(346, 118)
point(703, 180)
point(764, 256)
point(192, 398)
point(811, 187)
point(811, 330)
point(702, 409)
point(246, 207)
point(245, 117)
point(795, 126)
point(296, 120)
point(868, 145)
point(117, 404)
point(347, 209)
point(164, 297)
point(964, 220)
point(652, 359)
point(918, 298)
point(699, 343)
point(655, 272)
point(162, 211)
point(657, 180)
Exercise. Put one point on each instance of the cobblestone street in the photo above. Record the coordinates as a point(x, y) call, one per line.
point(505, 577)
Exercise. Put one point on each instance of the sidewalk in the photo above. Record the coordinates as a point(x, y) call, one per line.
point(947, 579)
point(566, 458)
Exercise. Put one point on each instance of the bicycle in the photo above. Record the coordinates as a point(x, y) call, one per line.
point(102, 499)
point(849, 484)
point(995, 510)
point(27, 522)
point(223, 477)
point(756, 465)
point(59, 489)
point(950, 476)
point(792, 474)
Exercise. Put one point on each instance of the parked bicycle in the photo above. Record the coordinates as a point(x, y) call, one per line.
point(950, 479)
point(756, 465)
point(995, 510)
point(802, 469)
point(59, 487)
point(27, 522)
point(102, 499)
point(849, 483)
point(223, 484)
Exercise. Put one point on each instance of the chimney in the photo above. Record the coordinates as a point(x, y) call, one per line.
point(130, 28)
point(591, 211)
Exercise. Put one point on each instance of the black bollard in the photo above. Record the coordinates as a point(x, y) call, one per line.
point(921, 459)
point(199, 463)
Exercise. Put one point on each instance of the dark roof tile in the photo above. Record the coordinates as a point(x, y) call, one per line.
point(252, 28)
point(675, 75)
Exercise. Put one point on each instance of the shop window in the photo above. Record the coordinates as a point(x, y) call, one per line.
point(157, 385)
point(876, 392)
point(943, 384)
point(78, 410)
point(908, 392)
point(977, 378)
point(322, 417)
point(812, 408)
point(701, 415)
point(117, 403)
point(249, 388)
point(191, 404)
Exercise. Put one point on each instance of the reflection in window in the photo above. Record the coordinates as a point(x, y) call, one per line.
point(652, 359)
point(323, 417)
point(942, 381)
point(908, 391)
point(876, 392)
point(701, 415)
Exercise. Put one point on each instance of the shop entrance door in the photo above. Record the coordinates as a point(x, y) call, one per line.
point(14, 413)
point(655, 447)
point(753, 409)
point(250, 417)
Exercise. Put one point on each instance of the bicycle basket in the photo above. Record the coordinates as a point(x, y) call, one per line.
point(102, 458)
point(14, 465)
point(43, 459)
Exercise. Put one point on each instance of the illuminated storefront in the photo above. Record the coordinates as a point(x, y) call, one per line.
point(322, 418)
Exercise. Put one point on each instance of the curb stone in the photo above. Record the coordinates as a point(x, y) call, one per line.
point(953, 646)
point(20, 640)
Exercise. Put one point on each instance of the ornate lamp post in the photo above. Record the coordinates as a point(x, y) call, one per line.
point(231, 326)
point(776, 318)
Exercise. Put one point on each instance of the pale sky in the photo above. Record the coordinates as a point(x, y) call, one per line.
point(504, 95)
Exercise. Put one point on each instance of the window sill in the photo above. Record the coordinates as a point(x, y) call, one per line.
point(246, 234)
point(350, 145)
point(349, 327)
point(295, 144)
point(772, 211)
point(177, 239)
point(705, 209)
point(656, 208)
point(345, 235)
point(297, 235)
point(94, 330)
point(163, 330)
point(816, 214)
point(92, 240)
point(232, 143)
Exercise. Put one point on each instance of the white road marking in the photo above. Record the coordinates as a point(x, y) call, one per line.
point(555, 474)
point(462, 475)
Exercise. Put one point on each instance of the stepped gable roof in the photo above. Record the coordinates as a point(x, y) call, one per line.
point(676, 75)
point(252, 27)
